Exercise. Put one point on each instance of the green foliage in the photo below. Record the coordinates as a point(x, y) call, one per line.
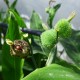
point(72, 46)
point(7, 3)
point(10, 64)
point(18, 18)
point(52, 11)
point(53, 72)
point(13, 5)
point(35, 21)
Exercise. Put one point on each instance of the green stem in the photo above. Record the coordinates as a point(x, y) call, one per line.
point(31, 53)
point(49, 21)
point(50, 57)
point(33, 59)
point(55, 54)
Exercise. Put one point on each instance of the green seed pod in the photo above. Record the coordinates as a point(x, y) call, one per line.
point(64, 28)
point(49, 38)
point(19, 48)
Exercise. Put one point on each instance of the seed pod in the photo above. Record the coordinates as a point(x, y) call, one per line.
point(64, 28)
point(49, 38)
point(19, 48)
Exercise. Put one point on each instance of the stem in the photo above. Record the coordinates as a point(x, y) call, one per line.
point(31, 53)
point(52, 11)
point(33, 59)
point(50, 58)
point(49, 21)
point(55, 53)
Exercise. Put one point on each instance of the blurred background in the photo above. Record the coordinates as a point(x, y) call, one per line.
point(25, 7)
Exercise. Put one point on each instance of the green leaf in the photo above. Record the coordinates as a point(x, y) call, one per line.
point(18, 18)
point(53, 72)
point(35, 21)
point(11, 65)
point(52, 11)
point(28, 66)
point(7, 3)
point(0, 57)
point(38, 58)
point(51, 56)
point(0, 40)
point(72, 47)
point(13, 5)
point(68, 65)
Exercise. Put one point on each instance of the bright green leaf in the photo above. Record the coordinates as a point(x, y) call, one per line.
point(35, 21)
point(18, 18)
point(11, 65)
point(13, 5)
point(53, 72)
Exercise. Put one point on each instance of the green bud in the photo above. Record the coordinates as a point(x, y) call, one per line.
point(63, 27)
point(49, 38)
